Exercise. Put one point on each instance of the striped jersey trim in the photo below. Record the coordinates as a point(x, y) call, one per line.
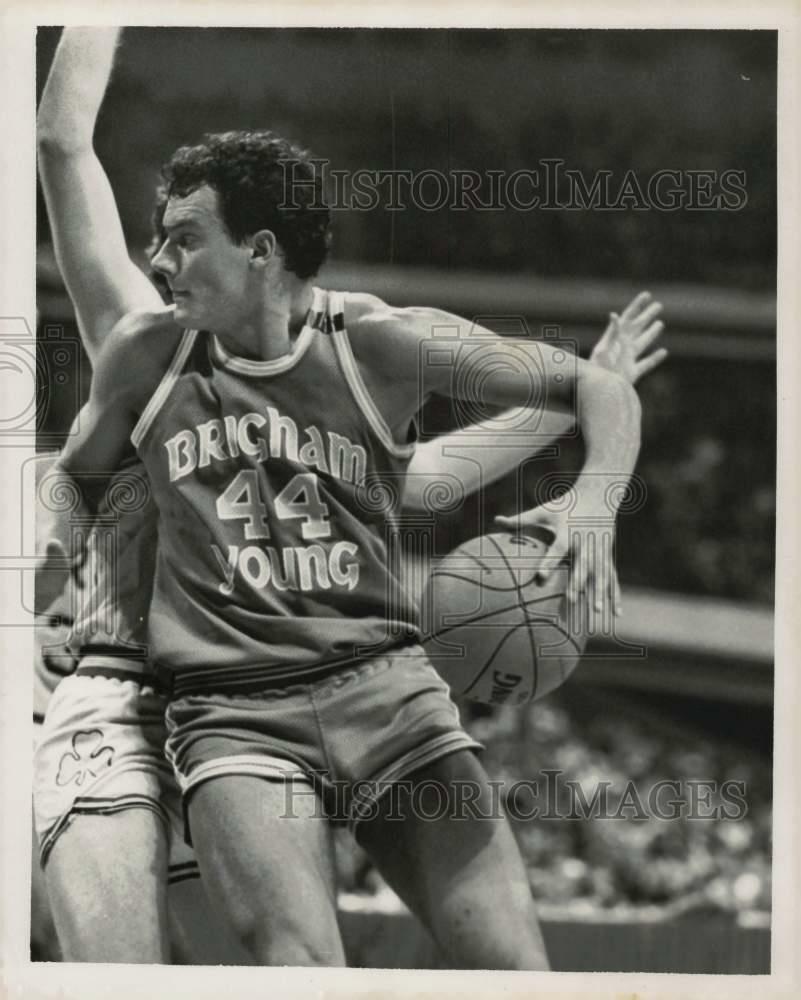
point(164, 388)
point(355, 382)
point(246, 366)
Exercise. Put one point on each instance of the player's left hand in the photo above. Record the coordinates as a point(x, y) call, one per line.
point(583, 533)
point(628, 336)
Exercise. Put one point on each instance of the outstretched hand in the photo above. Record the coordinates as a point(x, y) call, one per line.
point(628, 336)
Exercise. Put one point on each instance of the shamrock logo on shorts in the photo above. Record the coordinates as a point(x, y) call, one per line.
point(88, 758)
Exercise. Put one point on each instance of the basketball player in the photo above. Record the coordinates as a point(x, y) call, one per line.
point(52, 662)
point(101, 748)
point(269, 614)
point(104, 234)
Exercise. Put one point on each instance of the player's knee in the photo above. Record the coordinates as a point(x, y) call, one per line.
point(271, 940)
point(492, 941)
point(289, 950)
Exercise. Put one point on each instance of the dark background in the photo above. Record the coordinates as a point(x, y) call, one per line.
point(481, 100)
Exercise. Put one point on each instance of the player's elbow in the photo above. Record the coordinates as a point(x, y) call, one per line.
point(418, 476)
point(55, 142)
point(620, 395)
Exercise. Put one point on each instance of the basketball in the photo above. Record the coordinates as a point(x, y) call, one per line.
point(494, 631)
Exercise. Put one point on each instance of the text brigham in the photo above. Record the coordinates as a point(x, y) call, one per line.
point(263, 437)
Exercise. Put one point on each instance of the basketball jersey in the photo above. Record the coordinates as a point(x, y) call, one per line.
point(53, 661)
point(109, 629)
point(277, 484)
point(98, 622)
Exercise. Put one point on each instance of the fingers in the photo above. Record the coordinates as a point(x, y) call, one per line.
point(507, 523)
point(578, 571)
point(634, 307)
point(608, 339)
point(647, 315)
point(637, 317)
point(544, 528)
point(593, 574)
point(611, 331)
point(557, 552)
point(648, 364)
point(648, 336)
point(610, 574)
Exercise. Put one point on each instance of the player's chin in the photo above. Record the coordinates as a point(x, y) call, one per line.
point(183, 307)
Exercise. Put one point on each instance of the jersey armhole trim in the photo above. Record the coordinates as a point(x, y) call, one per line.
point(355, 382)
point(163, 389)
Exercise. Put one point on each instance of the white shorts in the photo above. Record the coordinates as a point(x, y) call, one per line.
point(101, 751)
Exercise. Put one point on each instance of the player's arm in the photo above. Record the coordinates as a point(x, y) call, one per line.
point(101, 279)
point(129, 365)
point(123, 379)
point(450, 356)
point(480, 454)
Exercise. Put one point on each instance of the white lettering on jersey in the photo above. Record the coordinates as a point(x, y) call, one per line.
point(182, 454)
point(283, 435)
point(306, 568)
point(228, 566)
point(262, 437)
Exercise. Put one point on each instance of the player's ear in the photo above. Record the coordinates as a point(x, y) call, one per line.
point(263, 246)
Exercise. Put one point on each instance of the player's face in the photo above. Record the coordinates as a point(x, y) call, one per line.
point(208, 274)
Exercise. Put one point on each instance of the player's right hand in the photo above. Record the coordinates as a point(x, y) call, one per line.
point(583, 530)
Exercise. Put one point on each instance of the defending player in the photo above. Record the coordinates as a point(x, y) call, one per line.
point(106, 780)
point(70, 208)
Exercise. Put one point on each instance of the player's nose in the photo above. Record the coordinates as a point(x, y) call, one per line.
point(163, 262)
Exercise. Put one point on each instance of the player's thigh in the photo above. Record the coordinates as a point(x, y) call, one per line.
point(106, 879)
point(44, 944)
point(198, 933)
point(449, 852)
point(266, 858)
point(101, 824)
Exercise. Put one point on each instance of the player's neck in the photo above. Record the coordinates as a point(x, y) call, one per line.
point(276, 321)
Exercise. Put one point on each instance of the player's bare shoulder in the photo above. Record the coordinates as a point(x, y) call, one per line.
point(384, 337)
point(138, 351)
point(150, 330)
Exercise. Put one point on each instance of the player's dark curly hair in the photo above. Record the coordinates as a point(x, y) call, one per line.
point(263, 182)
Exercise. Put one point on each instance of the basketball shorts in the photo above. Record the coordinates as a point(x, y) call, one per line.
point(351, 737)
point(101, 751)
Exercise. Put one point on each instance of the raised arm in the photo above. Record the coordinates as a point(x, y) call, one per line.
point(101, 279)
